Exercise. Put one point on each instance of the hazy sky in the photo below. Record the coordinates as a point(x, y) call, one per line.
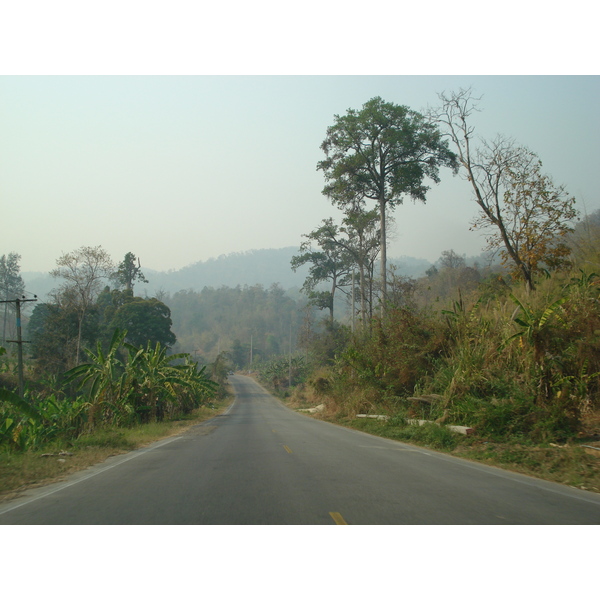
point(178, 169)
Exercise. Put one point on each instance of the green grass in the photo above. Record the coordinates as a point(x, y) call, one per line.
point(429, 435)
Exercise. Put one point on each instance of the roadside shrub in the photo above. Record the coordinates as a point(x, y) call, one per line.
point(500, 418)
point(30, 423)
point(437, 436)
point(430, 434)
point(399, 353)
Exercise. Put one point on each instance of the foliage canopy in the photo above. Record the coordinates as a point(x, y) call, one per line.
point(382, 152)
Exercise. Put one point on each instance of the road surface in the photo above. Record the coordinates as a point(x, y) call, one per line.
point(261, 463)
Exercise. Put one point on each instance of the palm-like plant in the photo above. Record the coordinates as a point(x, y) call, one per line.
point(27, 423)
point(158, 383)
point(535, 325)
point(16, 422)
point(146, 384)
point(538, 332)
point(198, 386)
point(105, 374)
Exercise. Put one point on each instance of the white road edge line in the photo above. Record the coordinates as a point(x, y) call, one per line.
point(524, 479)
point(230, 406)
point(527, 480)
point(130, 456)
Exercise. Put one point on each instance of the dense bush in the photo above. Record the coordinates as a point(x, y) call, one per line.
point(122, 386)
point(508, 364)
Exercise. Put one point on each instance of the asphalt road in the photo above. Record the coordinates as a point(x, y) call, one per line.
point(261, 463)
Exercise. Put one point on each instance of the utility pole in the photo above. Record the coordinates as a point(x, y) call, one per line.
point(19, 340)
point(290, 358)
point(5, 317)
point(353, 302)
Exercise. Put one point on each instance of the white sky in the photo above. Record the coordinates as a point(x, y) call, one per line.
point(182, 168)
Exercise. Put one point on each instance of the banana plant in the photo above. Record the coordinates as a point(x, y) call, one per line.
point(22, 407)
point(7, 425)
point(61, 417)
point(586, 281)
point(156, 383)
point(18, 421)
point(535, 325)
point(105, 374)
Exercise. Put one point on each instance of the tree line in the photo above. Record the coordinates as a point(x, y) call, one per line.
point(251, 323)
point(511, 348)
point(84, 309)
point(385, 154)
point(99, 356)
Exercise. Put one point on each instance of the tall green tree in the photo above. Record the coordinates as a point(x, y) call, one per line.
point(146, 322)
point(363, 242)
point(329, 262)
point(383, 152)
point(83, 272)
point(128, 272)
point(53, 330)
point(107, 304)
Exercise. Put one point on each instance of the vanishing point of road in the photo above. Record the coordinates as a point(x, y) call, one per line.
point(261, 463)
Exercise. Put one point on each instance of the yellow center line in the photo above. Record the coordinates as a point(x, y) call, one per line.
point(339, 520)
point(287, 450)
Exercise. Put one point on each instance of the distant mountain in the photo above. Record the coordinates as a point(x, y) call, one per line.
point(264, 267)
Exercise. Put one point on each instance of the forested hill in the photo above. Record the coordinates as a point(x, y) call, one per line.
point(264, 267)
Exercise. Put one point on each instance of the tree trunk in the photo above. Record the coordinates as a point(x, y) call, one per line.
point(529, 285)
point(363, 297)
point(353, 303)
point(79, 330)
point(383, 255)
point(332, 298)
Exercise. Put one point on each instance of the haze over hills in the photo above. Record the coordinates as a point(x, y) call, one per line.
point(264, 267)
